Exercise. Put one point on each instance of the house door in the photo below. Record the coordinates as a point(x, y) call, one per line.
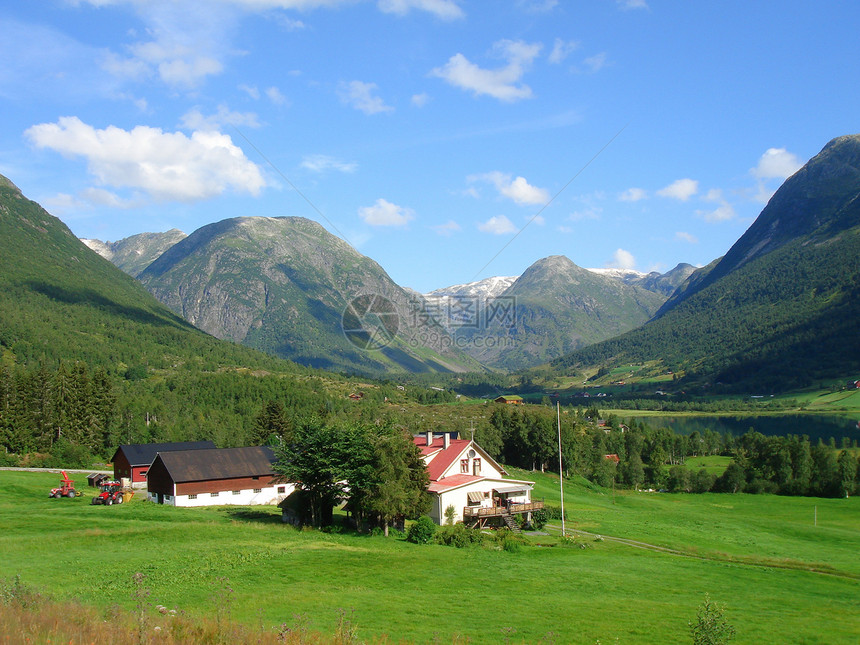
point(160, 498)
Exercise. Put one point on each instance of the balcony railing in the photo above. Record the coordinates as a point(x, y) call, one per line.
point(499, 511)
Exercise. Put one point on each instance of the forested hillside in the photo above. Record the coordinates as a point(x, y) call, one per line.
point(88, 359)
point(785, 315)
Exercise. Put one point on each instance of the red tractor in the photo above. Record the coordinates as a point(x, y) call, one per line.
point(111, 493)
point(66, 489)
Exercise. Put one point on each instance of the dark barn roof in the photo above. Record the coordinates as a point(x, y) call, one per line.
point(142, 454)
point(218, 463)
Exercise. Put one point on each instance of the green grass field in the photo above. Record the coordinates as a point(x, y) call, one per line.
point(714, 464)
point(781, 577)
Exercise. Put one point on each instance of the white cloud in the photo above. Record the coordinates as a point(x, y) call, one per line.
point(633, 195)
point(195, 120)
point(588, 213)
point(538, 6)
point(596, 63)
point(448, 228)
point(722, 213)
point(626, 5)
point(188, 73)
point(360, 96)
point(561, 49)
point(275, 96)
point(62, 203)
point(713, 195)
point(384, 213)
point(622, 259)
point(251, 91)
point(564, 229)
point(686, 237)
point(540, 220)
point(498, 225)
point(444, 9)
point(517, 189)
point(420, 100)
point(322, 163)
point(503, 83)
point(186, 43)
point(165, 165)
point(776, 163)
point(681, 189)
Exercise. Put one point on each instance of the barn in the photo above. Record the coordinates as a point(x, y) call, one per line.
point(132, 461)
point(241, 476)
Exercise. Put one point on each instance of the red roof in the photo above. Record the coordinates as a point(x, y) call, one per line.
point(444, 457)
point(454, 481)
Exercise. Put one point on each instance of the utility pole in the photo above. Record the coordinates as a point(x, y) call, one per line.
point(560, 467)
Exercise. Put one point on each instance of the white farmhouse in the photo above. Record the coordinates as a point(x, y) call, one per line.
point(465, 477)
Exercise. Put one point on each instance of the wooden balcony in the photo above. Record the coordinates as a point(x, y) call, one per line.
point(478, 512)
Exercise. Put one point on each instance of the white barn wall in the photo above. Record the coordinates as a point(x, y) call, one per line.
point(269, 495)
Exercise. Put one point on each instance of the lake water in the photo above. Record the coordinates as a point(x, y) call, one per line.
point(815, 426)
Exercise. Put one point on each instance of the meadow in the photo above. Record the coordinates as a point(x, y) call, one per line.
point(784, 568)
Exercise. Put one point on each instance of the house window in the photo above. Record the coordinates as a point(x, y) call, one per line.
point(258, 490)
point(255, 477)
point(237, 492)
point(282, 489)
point(192, 496)
point(464, 466)
point(476, 466)
point(167, 497)
point(215, 494)
point(143, 473)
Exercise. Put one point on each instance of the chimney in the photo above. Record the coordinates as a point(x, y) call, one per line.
point(447, 440)
point(429, 438)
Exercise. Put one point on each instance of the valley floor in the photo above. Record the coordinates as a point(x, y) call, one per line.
point(785, 569)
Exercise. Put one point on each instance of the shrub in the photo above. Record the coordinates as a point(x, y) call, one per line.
point(508, 540)
point(421, 531)
point(711, 626)
point(703, 481)
point(458, 535)
point(553, 512)
point(8, 459)
point(539, 518)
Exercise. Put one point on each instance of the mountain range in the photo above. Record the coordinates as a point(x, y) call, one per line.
point(780, 309)
point(133, 254)
point(288, 287)
point(283, 285)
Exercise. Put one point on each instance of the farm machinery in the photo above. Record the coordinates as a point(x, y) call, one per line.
point(110, 492)
point(65, 489)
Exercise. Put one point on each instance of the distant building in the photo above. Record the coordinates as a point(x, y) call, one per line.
point(509, 399)
point(240, 476)
point(132, 461)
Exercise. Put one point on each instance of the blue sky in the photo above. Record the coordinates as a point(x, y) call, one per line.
point(448, 140)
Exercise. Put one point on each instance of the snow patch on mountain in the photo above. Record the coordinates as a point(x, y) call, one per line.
point(486, 288)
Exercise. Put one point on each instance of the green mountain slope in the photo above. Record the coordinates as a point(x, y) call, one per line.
point(133, 254)
point(61, 301)
point(288, 287)
point(557, 307)
point(780, 310)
